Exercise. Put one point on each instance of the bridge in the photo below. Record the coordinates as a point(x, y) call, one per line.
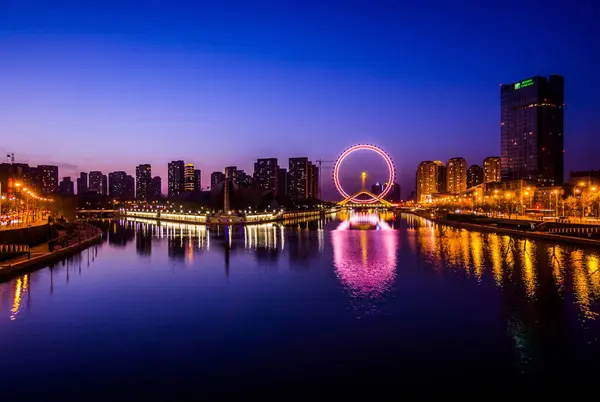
point(373, 201)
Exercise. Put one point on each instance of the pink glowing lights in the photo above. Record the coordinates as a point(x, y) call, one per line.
point(344, 155)
point(365, 261)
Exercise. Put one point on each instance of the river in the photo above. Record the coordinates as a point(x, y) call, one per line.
point(348, 304)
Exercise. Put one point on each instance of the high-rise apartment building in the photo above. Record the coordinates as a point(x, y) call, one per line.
point(104, 184)
point(474, 176)
point(129, 188)
point(244, 179)
point(176, 178)
point(96, 182)
point(197, 180)
point(155, 188)
point(67, 187)
point(298, 178)
point(216, 178)
point(431, 179)
point(188, 177)
point(282, 183)
point(48, 178)
point(315, 190)
point(532, 130)
point(266, 174)
point(491, 169)
point(117, 185)
point(82, 183)
point(456, 175)
point(143, 177)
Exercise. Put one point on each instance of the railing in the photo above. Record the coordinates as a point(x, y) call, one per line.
point(15, 250)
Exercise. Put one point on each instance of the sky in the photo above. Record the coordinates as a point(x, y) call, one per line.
point(106, 85)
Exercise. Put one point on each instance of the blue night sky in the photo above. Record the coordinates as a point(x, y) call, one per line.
point(92, 85)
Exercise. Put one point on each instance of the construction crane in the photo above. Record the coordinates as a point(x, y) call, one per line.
point(320, 163)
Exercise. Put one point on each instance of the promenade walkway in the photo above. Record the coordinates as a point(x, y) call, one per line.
point(63, 246)
point(21, 225)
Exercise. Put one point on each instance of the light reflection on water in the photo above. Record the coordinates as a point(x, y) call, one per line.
point(420, 282)
point(365, 259)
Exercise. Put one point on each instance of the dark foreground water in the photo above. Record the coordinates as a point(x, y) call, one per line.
point(308, 310)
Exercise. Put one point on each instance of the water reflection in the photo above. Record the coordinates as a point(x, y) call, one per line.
point(364, 259)
point(513, 262)
point(16, 294)
point(364, 252)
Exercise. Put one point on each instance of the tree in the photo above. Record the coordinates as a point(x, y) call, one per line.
point(572, 206)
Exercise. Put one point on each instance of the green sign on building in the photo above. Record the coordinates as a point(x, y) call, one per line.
point(524, 84)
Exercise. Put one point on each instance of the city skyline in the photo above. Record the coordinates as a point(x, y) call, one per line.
point(271, 86)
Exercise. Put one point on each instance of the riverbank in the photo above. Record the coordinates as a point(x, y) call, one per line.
point(41, 256)
point(513, 232)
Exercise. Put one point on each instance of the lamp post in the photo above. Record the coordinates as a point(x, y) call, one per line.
point(509, 205)
point(577, 191)
point(594, 189)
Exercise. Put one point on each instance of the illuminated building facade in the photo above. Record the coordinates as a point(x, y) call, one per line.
point(491, 169)
point(97, 183)
point(298, 178)
point(431, 179)
point(48, 178)
point(175, 178)
point(117, 185)
point(474, 176)
point(266, 174)
point(188, 178)
point(143, 177)
point(532, 130)
point(456, 175)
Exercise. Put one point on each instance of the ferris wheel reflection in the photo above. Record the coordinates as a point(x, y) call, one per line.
point(364, 255)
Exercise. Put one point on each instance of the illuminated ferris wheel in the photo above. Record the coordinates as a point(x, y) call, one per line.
point(371, 198)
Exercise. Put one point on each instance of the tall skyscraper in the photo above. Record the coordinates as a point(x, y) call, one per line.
point(456, 175)
point(48, 176)
point(266, 174)
point(491, 169)
point(82, 183)
point(197, 180)
point(143, 177)
point(117, 186)
point(282, 183)
point(532, 130)
point(298, 178)
point(104, 184)
point(176, 179)
point(95, 183)
point(431, 179)
point(474, 176)
point(216, 178)
point(188, 177)
point(155, 188)
point(314, 182)
point(129, 188)
point(67, 187)
point(244, 179)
